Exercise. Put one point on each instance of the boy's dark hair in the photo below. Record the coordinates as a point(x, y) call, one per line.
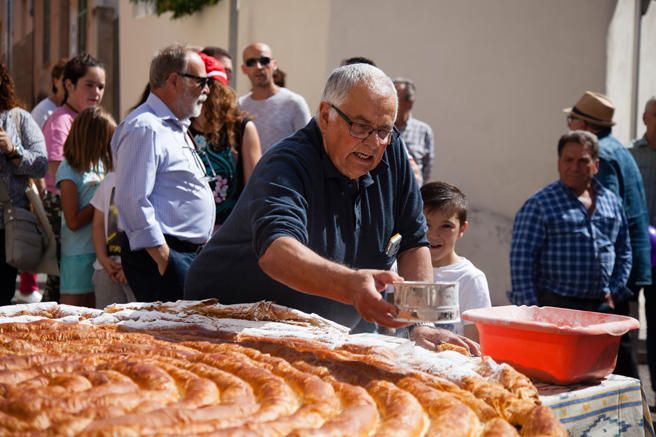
point(440, 196)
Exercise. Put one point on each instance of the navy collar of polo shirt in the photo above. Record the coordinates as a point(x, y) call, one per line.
point(163, 112)
point(331, 171)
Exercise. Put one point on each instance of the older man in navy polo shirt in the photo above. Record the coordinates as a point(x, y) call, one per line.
point(311, 228)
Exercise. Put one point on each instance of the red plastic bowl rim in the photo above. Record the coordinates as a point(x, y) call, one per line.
point(617, 325)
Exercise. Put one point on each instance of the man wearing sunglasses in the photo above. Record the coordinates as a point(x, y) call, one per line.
point(313, 228)
point(277, 112)
point(166, 207)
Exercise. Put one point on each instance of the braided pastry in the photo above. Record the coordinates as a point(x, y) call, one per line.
point(192, 369)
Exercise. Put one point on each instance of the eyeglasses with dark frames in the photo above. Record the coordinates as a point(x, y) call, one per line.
point(200, 80)
point(263, 60)
point(361, 130)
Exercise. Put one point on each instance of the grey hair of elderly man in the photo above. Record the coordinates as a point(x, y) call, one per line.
point(170, 59)
point(343, 79)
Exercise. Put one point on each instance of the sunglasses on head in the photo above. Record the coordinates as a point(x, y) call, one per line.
point(263, 60)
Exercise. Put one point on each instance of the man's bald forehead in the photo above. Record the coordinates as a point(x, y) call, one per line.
point(256, 46)
point(651, 104)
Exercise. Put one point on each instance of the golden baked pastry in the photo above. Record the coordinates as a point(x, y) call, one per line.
point(204, 369)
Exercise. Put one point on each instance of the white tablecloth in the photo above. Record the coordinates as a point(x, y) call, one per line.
point(613, 407)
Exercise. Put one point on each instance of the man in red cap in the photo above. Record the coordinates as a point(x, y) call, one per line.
point(226, 140)
point(214, 69)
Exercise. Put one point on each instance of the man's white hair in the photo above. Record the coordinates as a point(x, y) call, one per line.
point(343, 79)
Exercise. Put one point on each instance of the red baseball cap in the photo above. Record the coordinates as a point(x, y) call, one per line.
point(214, 69)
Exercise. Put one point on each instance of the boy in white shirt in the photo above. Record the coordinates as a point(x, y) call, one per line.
point(110, 284)
point(445, 208)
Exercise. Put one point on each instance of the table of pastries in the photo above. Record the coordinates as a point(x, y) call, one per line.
point(201, 368)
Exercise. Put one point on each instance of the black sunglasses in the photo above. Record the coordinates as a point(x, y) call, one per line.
point(263, 60)
point(201, 81)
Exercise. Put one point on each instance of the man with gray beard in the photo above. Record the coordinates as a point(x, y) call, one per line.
point(165, 204)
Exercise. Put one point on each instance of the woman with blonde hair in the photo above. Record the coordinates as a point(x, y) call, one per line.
point(227, 141)
point(86, 158)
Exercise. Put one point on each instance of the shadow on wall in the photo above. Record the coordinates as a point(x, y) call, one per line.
point(487, 244)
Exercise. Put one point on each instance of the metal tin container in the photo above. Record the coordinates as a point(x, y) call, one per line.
point(426, 302)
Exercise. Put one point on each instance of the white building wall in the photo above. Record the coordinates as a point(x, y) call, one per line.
point(141, 34)
point(298, 33)
point(647, 78)
point(619, 83)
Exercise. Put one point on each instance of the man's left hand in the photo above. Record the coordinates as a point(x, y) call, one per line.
point(430, 338)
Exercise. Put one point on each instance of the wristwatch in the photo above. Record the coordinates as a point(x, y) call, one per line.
point(418, 324)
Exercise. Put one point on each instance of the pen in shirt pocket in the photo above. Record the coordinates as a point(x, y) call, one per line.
point(393, 245)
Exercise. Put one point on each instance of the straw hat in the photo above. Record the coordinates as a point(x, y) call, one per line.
point(593, 107)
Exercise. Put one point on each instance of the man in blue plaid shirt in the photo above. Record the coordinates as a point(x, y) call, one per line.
point(570, 243)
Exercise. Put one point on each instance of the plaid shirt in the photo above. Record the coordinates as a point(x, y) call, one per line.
point(557, 246)
point(418, 139)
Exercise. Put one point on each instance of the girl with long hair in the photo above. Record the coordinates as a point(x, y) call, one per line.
point(86, 157)
point(84, 86)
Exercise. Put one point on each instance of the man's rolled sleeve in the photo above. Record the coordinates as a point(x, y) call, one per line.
point(136, 170)
point(278, 211)
point(527, 237)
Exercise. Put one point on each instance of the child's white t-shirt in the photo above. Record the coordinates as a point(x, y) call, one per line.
point(103, 201)
point(473, 291)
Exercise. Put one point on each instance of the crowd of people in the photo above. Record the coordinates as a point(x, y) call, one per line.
point(200, 194)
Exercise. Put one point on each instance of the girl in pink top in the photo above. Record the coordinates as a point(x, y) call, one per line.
point(84, 85)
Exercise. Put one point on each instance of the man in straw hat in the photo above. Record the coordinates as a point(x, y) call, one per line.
point(619, 173)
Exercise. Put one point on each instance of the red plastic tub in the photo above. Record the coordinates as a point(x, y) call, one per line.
point(555, 345)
